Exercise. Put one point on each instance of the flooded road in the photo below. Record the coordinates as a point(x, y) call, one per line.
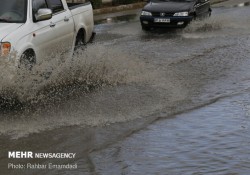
point(173, 102)
point(210, 140)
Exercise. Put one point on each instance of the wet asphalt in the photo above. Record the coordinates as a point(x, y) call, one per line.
point(181, 106)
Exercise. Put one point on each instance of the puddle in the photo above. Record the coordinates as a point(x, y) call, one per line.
point(209, 140)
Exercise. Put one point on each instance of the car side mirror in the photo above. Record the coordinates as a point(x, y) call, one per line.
point(43, 14)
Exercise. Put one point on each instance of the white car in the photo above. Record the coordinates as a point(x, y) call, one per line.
point(33, 29)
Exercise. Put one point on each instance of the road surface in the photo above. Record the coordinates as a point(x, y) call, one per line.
point(170, 102)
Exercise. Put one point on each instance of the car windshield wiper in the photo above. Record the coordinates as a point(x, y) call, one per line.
point(4, 20)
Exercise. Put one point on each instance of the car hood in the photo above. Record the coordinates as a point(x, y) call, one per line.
point(7, 28)
point(168, 6)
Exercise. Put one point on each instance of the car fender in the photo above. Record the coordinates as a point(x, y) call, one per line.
point(18, 51)
point(78, 28)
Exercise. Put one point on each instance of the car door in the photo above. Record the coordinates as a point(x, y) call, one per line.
point(207, 8)
point(201, 8)
point(63, 26)
point(43, 35)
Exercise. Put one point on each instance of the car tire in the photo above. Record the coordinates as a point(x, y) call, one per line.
point(194, 16)
point(145, 28)
point(209, 12)
point(80, 42)
point(27, 60)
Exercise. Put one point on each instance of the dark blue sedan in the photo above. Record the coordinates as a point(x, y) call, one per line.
point(173, 13)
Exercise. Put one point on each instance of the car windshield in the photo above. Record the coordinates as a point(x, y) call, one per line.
point(13, 11)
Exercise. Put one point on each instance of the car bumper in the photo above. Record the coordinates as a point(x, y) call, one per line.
point(149, 21)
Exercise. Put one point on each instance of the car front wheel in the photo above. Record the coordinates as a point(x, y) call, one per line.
point(27, 60)
point(145, 28)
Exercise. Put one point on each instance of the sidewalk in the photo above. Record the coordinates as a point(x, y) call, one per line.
point(119, 8)
point(232, 3)
point(139, 5)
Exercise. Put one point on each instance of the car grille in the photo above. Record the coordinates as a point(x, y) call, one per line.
point(158, 14)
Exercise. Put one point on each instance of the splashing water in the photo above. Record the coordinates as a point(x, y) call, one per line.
point(56, 92)
point(226, 21)
point(91, 68)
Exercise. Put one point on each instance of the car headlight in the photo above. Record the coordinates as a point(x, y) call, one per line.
point(145, 13)
point(181, 14)
point(5, 48)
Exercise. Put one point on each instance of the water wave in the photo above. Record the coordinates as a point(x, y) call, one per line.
point(91, 68)
point(64, 92)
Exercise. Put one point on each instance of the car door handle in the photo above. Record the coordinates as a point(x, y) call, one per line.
point(66, 19)
point(52, 24)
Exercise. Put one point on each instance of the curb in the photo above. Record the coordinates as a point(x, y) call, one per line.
point(131, 7)
point(119, 8)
